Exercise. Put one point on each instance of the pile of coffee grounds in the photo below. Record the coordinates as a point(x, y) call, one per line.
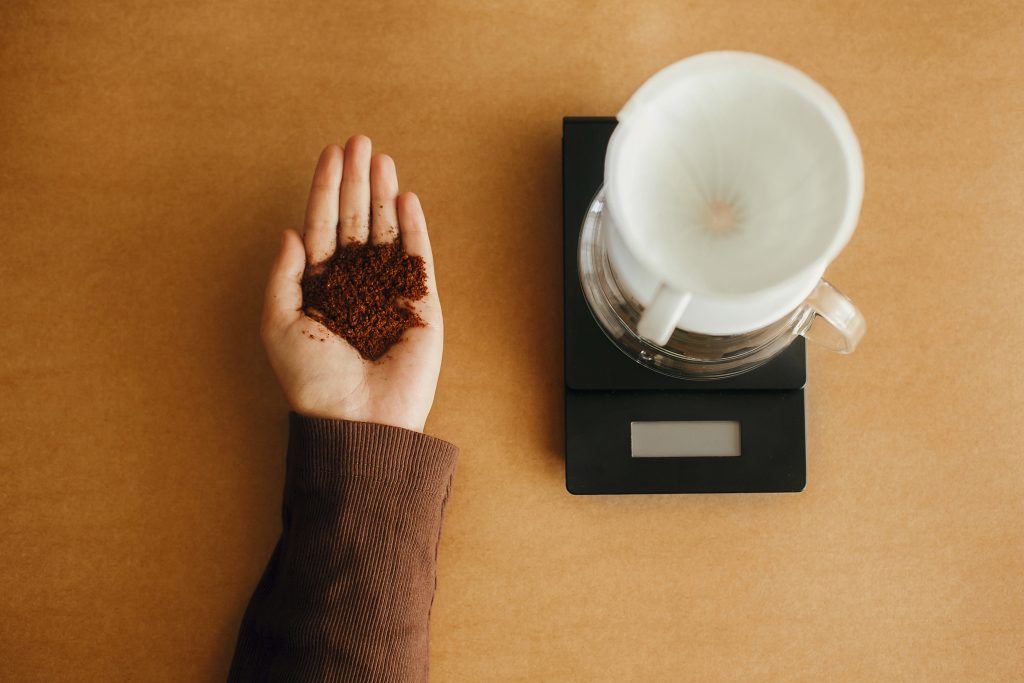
point(362, 293)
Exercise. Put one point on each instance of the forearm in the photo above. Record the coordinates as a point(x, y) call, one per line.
point(348, 590)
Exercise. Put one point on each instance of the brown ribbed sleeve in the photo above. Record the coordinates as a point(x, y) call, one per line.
point(347, 593)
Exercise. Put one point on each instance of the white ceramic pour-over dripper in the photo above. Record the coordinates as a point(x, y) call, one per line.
point(732, 180)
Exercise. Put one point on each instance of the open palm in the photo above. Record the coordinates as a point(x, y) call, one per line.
point(354, 197)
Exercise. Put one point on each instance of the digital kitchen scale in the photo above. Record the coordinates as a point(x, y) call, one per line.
point(630, 429)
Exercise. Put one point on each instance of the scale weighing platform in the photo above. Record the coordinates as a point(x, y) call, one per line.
point(629, 429)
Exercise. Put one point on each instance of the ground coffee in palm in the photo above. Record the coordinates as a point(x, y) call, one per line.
point(363, 294)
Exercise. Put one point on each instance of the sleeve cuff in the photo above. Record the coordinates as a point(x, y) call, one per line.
point(324, 452)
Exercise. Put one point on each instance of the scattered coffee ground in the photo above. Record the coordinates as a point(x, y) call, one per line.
point(361, 295)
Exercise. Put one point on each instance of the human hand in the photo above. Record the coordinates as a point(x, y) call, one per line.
point(354, 197)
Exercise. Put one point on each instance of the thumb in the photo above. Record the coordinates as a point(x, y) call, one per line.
point(283, 301)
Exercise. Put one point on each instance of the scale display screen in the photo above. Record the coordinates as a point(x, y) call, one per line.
point(685, 439)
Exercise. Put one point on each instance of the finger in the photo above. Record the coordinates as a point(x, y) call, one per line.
point(383, 196)
point(413, 229)
point(355, 191)
point(321, 226)
point(283, 302)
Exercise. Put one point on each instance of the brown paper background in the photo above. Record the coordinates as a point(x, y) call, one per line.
point(152, 152)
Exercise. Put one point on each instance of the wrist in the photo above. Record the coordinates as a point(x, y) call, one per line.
point(342, 414)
